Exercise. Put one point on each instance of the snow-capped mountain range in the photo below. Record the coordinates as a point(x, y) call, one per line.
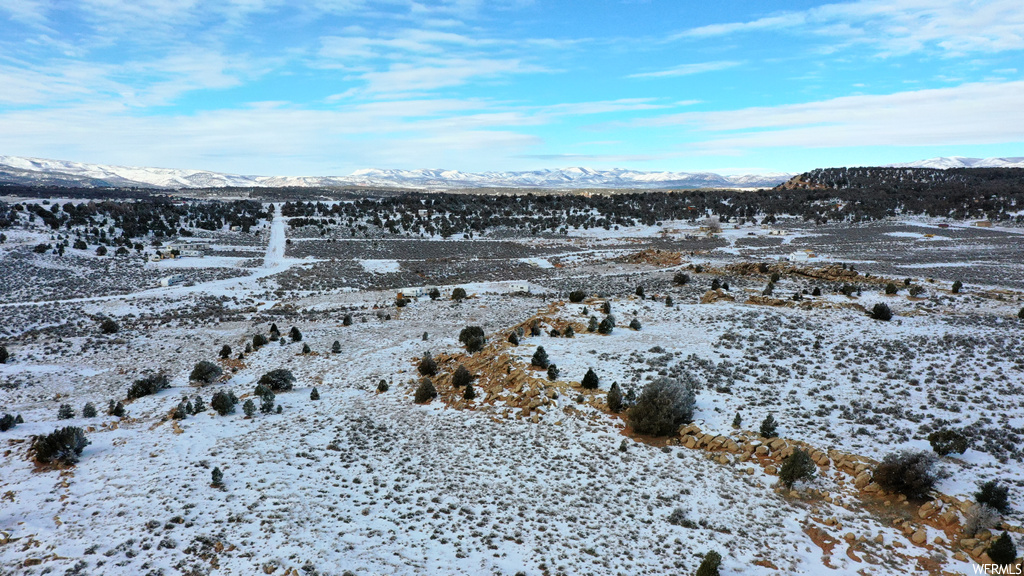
point(961, 162)
point(37, 171)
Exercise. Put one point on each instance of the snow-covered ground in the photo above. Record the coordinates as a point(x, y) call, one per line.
point(370, 483)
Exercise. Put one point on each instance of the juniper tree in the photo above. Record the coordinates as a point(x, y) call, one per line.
point(769, 289)
point(222, 403)
point(592, 325)
point(911, 473)
point(248, 348)
point(540, 358)
point(306, 349)
point(179, 412)
point(635, 324)
point(116, 409)
point(65, 412)
point(709, 566)
point(663, 405)
point(148, 385)
point(681, 278)
point(737, 421)
point(108, 326)
point(89, 410)
point(577, 296)
point(890, 289)
point(1003, 551)
point(336, 347)
point(63, 445)
point(382, 386)
point(716, 284)
point(4, 355)
point(948, 441)
point(225, 352)
point(614, 398)
point(552, 372)
point(881, 311)
point(434, 293)
point(461, 377)
point(513, 339)
point(425, 392)
point(668, 301)
point(249, 408)
point(1021, 314)
point(469, 393)
point(775, 277)
point(993, 494)
point(347, 320)
point(640, 292)
point(267, 402)
point(957, 286)
point(816, 291)
point(279, 380)
point(569, 332)
point(7, 422)
point(314, 394)
point(473, 338)
point(425, 337)
point(459, 294)
point(198, 405)
point(205, 372)
point(294, 334)
point(259, 340)
point(769, 427)
point(427, 366)
point(590, 380)
point(607, 325)
point(796, 467)
point(606, 308)
point(217, 477)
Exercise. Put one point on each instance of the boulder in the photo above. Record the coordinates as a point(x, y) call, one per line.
point(714, 296)
point(862, 480)
point(928, 509)
point(919, 537)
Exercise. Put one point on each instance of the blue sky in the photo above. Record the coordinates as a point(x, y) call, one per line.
point(326, 87)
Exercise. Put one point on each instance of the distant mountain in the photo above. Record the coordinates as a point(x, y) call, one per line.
point(36, 171)
point(961, 162)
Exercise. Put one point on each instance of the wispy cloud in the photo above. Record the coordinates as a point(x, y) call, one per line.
point(976, 113)
point(688, 69)
point(896, 26)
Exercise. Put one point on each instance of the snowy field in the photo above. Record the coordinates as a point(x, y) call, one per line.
point(534, 476)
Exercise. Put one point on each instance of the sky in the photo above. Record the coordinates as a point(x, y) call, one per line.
point(326, 87)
